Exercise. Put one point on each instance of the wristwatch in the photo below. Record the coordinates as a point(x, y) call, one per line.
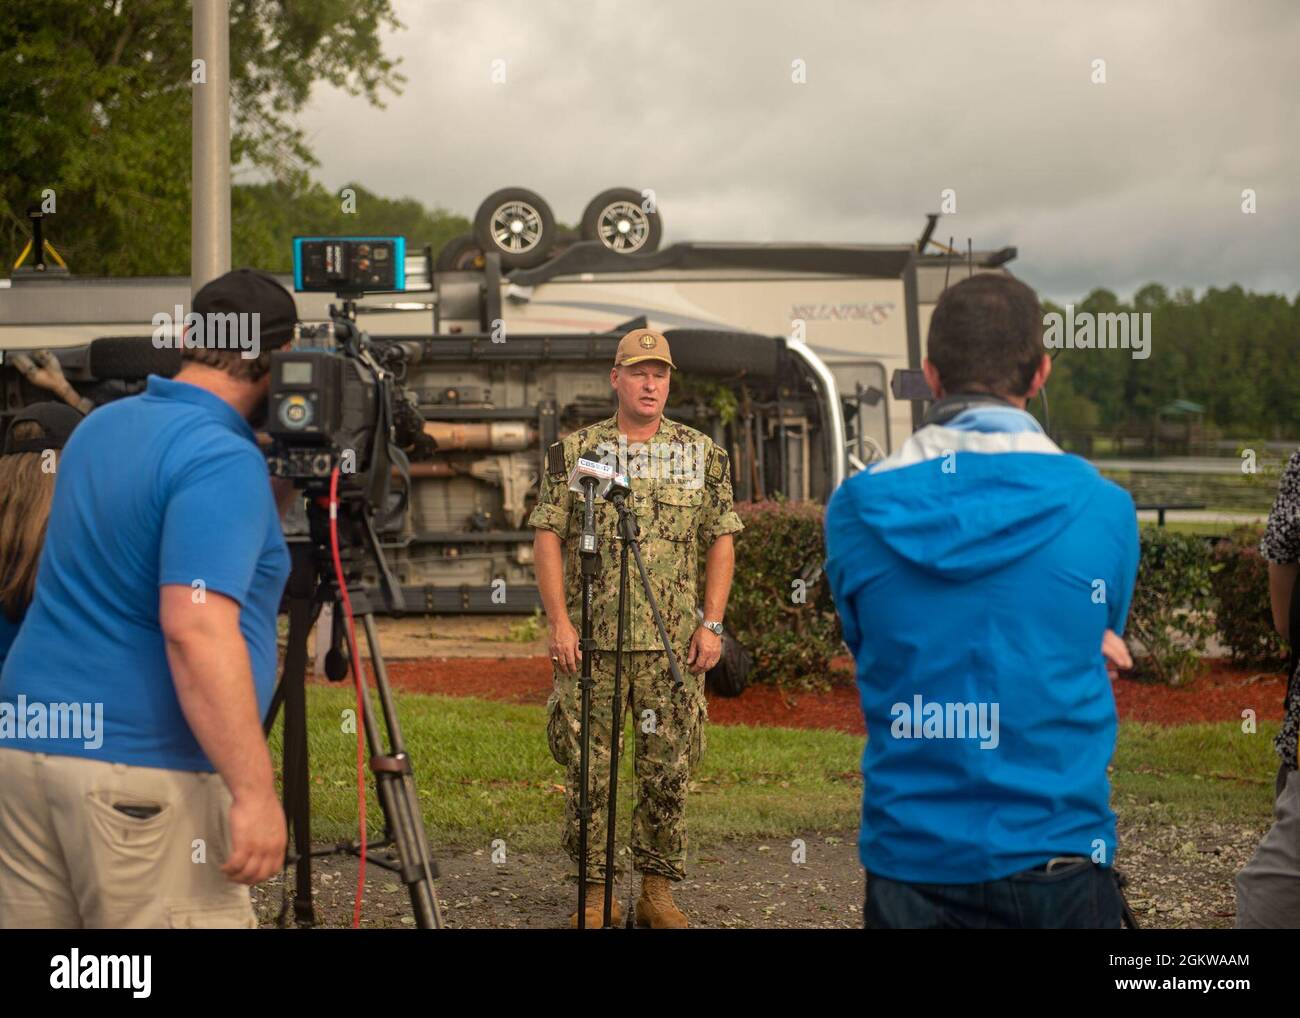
point(713, 627)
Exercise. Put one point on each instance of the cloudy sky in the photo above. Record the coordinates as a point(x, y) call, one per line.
point(1138, 179)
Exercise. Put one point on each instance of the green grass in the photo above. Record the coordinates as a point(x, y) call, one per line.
point(1201, 529)
point(484, 772)
point(1196, 771)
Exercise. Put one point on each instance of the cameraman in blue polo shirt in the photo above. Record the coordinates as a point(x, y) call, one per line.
point(136, 787)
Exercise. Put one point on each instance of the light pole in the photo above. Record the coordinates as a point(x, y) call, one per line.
point(210, 151)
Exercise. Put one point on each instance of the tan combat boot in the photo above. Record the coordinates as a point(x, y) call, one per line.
point(596, 909)
point(655, 907)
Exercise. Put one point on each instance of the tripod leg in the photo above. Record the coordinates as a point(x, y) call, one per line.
point(395, 786)
point(584, 742)
point(297, 793)
point(616, 732)
point(629, 533)
point(654, 611)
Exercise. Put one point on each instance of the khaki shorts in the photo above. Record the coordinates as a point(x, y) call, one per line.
point(84, 843)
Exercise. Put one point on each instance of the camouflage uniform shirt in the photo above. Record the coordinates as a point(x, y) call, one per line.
point(681, 496)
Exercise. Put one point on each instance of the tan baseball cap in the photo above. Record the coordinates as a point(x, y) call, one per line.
point(643, 345)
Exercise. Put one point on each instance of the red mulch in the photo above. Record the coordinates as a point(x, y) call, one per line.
point(1221, 694)
point(516, 679)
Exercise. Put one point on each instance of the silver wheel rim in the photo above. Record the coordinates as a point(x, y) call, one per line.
point(516, 227)
point(623, 226)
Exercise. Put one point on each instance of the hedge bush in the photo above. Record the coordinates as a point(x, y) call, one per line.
point(1242, 609)
point(781, 607)
point(1186, 592)
point(1170, 613)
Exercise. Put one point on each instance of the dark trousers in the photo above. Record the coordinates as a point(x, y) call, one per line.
point(1076, 895)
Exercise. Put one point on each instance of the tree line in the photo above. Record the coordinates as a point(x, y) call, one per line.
point(1232, 351)
point(97, 123)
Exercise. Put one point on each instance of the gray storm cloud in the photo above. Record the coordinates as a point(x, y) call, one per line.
point(1113, 184)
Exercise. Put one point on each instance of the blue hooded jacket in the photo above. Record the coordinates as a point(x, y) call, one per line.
point(975, 572)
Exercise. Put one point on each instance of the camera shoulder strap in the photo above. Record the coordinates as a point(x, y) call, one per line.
point(944, 410)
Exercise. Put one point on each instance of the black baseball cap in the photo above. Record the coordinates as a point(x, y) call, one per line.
point(56, 421)
point(251, 291)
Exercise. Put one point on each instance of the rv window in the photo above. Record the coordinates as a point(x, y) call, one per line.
point(864, 388)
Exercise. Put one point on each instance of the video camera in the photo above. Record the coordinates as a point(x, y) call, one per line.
point(339, 415)
point(336, 399)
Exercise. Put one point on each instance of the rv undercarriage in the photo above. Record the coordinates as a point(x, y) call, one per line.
point(494, 405)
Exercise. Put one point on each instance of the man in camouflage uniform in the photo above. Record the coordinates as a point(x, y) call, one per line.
point(681, 497)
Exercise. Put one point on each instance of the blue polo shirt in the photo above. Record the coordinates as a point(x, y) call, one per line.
point(167, 487)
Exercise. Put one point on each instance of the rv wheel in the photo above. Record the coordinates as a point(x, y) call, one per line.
point(460, 253)
point(518, 225)
point(619, 220)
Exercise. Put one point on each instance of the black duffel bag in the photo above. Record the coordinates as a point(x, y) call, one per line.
point(730, 676)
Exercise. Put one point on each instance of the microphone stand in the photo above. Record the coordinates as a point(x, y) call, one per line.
point(589, 554)
point(627, 531)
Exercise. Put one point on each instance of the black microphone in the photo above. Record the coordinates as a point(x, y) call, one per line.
point(618, 490)
point(591, 466)
point(588, 474)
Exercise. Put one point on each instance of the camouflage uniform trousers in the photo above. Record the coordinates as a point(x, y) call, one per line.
point(669, 743)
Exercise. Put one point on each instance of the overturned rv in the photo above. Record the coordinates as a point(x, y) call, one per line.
point(785, 356)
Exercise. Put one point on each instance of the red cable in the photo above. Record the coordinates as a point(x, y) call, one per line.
point(359, 681)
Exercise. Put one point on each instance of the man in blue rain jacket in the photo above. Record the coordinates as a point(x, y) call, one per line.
point(978, 572)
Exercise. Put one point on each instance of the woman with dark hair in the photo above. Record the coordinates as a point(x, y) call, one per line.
point(27, 470)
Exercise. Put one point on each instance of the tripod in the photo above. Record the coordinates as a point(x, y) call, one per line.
point(312, 584)
point(628, 535)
